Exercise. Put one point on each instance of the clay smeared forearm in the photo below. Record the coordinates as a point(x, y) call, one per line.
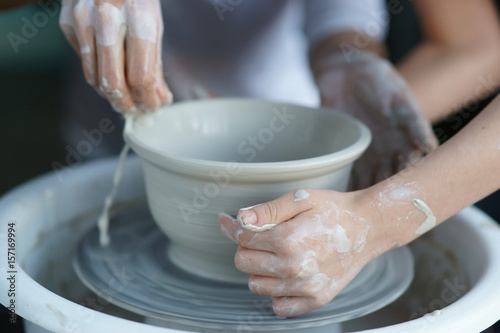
point(456, 175)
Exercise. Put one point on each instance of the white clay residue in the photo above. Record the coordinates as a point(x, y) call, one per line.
point(224, 230)
point(333, 283)
point(342, 242)
point(301, 195)
point(105, 83)
point(252, 227)
point(145, 27)
point(307, 264)
point(85, 49)
point(255, 228)
point(317, 228)
point(116, 94)
point(360, 242)
point(396, 194)
point(435, 313)
point(401, 193)
point(430, 219)
point(103, 222)
point(238, 234)
point(319, 282)
point(498, 147)
point(144, 120)
point(108, 24)
point(345, 260)
point(61, 317)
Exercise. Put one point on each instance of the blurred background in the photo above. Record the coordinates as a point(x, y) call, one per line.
point(32, 82)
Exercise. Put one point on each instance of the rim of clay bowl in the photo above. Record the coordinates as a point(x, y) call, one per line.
point(282, 169)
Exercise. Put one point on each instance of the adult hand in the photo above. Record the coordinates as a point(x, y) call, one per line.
point(369, 88)
point(315, 247)
point(119, 42)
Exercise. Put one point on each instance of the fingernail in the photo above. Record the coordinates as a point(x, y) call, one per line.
point(116, 94)
point(225, 232)
point(170, 97)
point(247, 217)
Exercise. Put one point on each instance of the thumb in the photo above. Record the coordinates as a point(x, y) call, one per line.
point(269, 214)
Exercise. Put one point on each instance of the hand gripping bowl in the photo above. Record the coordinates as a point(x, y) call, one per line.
point(202, 158)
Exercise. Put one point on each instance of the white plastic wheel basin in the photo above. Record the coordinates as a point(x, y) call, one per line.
point(457, 264)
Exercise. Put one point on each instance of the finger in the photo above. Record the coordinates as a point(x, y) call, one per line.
point(141, 73)
point(233, 230)
point(366, 94)
point(111, 70)
point(164, 94)
point(276, 211)
point(256, 262)
point(112, 83)
point(293, 306)
point(331, 84)
point(268, 286)
point(85, 35)
point(371, 94)
point(110, 30)
point(317, 287)
point(413, 157)
point(415, 123)
point(67, 23)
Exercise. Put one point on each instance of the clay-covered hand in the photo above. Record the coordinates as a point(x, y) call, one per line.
point(369, 88)
point(119, 42)
point(309, 248)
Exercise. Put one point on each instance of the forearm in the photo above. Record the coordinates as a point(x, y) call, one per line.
point(9, 4)
point(459, 173)
point(457, 62)
point(444, 80)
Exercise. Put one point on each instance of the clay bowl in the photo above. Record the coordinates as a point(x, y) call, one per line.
point(202, 158)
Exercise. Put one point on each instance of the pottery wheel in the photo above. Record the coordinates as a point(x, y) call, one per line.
point(135, 273)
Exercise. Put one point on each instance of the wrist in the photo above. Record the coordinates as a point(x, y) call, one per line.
point(346, 42)
point(330, 54)
point(391, 209)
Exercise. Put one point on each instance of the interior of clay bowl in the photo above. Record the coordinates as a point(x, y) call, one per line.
point(203, 158)
point(256, 134)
